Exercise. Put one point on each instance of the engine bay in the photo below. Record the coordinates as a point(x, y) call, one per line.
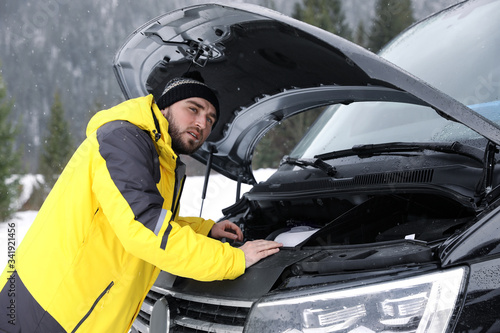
point(308, 222)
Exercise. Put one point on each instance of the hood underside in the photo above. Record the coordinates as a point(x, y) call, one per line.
point(265, 67)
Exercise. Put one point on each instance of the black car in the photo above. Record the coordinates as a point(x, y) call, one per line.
point(389, 205)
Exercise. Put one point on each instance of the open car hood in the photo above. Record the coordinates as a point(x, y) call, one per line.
point(265, 67)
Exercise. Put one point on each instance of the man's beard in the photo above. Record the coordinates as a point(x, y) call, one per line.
point(180, 147)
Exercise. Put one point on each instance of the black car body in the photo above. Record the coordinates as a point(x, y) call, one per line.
point(389, 205)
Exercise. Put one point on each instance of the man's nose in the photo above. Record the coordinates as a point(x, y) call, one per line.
point(201, 121)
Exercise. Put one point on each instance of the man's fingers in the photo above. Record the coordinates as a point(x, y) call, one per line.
point(226, 229)
point(268, 252)
point(259, 249)
point(239, 233)
point(235, 231)
point(264, 245)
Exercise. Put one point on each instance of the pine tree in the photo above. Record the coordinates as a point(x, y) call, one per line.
point(57, 147)
point(360, 37)
point(325, 14)
point(9, 159)
point(391, 17)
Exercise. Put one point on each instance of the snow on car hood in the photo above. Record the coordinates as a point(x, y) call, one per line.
point(265, 67)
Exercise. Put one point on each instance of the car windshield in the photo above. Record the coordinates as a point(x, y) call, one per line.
point(342, 127)
point(466, 68)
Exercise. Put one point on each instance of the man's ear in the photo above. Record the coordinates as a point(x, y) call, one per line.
point(165, 112)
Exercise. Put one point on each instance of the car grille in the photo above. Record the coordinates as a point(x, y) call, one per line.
point(195, 313)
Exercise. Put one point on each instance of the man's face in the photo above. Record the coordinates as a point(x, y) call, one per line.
point(190, 122)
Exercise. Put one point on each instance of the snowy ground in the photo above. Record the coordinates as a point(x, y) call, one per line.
point(221, 193)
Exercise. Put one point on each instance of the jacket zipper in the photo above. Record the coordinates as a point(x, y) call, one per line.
point(93, 306)
point(175, 204)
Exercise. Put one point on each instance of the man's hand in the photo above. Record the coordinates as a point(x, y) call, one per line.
point(226, 229)
point(259, 249)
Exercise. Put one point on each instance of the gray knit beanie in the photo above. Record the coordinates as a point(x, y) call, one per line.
point(181, 88)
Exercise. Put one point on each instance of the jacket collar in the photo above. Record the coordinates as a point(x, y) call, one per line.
point(139, 111)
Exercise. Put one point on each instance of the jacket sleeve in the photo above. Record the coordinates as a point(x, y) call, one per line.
point(125, 185)
point(198, 224)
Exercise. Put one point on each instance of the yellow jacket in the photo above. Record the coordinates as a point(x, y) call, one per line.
point(109, 225)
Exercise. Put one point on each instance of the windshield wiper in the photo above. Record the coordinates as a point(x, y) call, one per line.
point(312, 162)
point(370, 150)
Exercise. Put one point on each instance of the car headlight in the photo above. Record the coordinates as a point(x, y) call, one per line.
point(422, 303)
